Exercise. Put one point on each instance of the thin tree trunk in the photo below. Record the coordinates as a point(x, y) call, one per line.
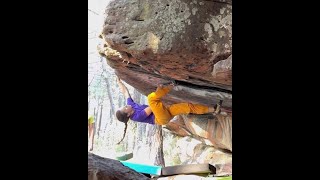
point(94, 113)
point(96, 117)
point(112, 112)
point(110, 97)
point(158, 145)
point(136, 96)
point(100, 119)
point(106, 76)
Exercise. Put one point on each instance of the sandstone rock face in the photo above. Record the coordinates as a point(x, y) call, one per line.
point(218, 130)
point(189, 41)
point(213, 131)
point(188, 150)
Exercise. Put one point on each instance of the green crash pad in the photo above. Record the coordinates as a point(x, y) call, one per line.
point(124, 156)
point(224, 178)
point(143, 168)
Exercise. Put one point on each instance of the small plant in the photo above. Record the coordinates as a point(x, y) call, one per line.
point(119, 148)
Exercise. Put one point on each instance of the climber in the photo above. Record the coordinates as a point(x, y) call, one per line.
point(157, 112)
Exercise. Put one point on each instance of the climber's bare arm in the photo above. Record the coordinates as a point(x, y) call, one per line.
point(148, 111)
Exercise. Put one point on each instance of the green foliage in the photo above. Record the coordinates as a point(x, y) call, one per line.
point(176, 160)
point(119, 148)
point(224, 178)
point(98, 87)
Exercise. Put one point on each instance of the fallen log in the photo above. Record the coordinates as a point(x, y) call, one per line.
point(100, 168)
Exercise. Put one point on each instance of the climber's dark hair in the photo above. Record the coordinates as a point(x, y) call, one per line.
point(122, 117)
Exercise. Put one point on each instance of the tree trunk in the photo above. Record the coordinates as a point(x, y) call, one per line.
point(112, 111)
point(136, 96)
point(106, 77)
point(94, 113)
point(110, 97)
point(158, 145)
point(100, 168)
point(98, 131)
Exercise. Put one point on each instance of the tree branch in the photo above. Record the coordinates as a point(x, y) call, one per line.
point(93, 12)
